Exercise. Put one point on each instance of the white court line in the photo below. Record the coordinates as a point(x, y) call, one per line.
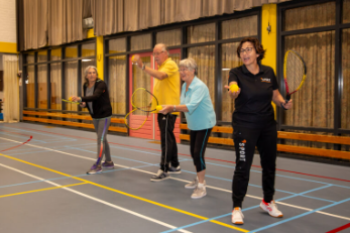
point(96, 199)
point(187, 181)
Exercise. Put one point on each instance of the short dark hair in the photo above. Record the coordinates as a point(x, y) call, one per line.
point(257, 46)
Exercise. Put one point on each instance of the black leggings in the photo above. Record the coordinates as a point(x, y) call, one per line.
point(245, 140)
point(199, 141)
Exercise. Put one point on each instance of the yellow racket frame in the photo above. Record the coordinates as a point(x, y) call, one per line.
point(136, 108)
point(71, 102)
point(285, 70)
point(126, 120)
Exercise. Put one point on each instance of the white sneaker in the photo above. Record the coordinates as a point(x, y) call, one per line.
point(193, 184)
point(237, 216)
point(271, 208)
point(199, 192)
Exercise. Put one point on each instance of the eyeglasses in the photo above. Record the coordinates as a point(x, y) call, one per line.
point(183, 70)
point(248, 49)
point(157, 54)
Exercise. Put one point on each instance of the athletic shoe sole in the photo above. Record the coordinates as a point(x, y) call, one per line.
point(108, 168)
point(92, 173)
point(198, 197)
point(279, 216)
point(177, 172)
point(238, 223)
point(158, 180)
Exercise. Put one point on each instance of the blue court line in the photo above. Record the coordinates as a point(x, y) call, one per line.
point(190, 172)
point(300, 215)
point(214, 177)
point(228, 166)
point(245, 209)
point(121, 147)
point(284, 176)
point(32, 182)
point(114, 156)
point(291, 177)
point(210, 176)
point(258, 186)
point(123, 158)
point(216, 164)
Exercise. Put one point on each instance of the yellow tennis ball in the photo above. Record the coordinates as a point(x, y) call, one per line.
point(70, 99)
point(234, 88)
point(159, 107)
point(133, 58)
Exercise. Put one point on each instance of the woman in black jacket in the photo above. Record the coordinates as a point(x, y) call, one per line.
point(96, 99)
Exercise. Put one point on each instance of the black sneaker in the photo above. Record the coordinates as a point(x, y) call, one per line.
point(174, 170)
point(161, 175)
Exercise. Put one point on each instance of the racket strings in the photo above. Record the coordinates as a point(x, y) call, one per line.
point(294, 71)
point(143, 101)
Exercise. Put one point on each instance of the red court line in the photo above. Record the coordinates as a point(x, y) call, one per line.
point(208, 158)
point(30, 138)
point(340, 228)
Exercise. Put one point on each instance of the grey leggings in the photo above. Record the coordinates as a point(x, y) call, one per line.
point(99, 126)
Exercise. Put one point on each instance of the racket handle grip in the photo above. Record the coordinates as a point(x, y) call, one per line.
point(287, 98)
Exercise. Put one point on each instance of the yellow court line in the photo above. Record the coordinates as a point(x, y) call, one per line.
point(126, 194)
point(39, 190)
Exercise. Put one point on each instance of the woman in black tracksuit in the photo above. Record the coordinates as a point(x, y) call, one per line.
point(254, 124)
point(96, 99)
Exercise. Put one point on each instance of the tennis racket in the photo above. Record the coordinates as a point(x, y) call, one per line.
point(71, 102)
point(294, 72)
point(143, 103)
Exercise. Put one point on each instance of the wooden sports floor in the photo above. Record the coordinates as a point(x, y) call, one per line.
point(44, 188)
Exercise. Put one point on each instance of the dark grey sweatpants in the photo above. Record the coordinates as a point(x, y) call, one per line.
point(99, 126)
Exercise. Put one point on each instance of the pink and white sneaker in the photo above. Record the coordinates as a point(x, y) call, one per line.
point(271, 208)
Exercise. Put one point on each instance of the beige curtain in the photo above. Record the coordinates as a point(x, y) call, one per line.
point(11, 89)
point(229, 61)
point(345, 106)
point(150, 16)
point(35, 23)
point(117, 79)
point(110, 16)
point(311, 108)
point(42, 86)
point(205, 58)
point(314, 103)
point(74, 21)
point(30, 82)
point(71, 83)
point(170, 37)
point(54, 22)
point(57, 22)
point(56, 85)
point(234, 28)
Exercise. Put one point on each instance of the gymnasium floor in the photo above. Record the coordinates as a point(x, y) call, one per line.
point(44, 188)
